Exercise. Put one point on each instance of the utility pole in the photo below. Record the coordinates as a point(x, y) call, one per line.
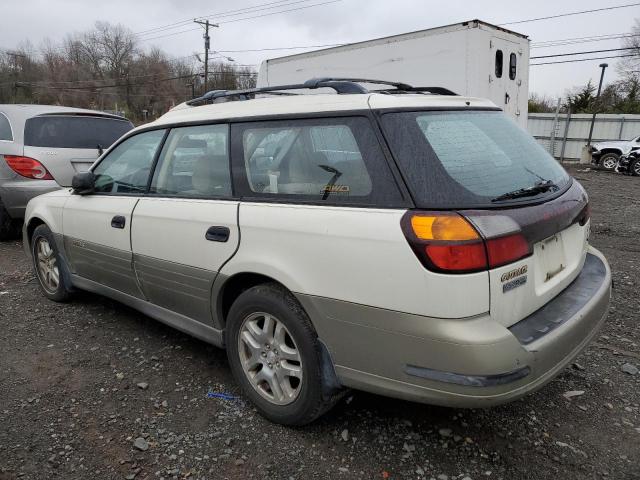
point(207, 45)
point(603, 66)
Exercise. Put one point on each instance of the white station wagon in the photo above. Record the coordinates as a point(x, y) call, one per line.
point(404, 241)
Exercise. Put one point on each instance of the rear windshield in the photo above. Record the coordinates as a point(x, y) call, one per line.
point(62, 131)
point(466, 159)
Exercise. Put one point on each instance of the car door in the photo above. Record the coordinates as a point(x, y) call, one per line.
point(186, 228)
point(97, 227)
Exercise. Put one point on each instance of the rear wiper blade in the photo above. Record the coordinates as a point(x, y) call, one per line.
point(539, 187)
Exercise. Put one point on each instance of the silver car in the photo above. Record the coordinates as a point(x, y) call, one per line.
point(42, 147)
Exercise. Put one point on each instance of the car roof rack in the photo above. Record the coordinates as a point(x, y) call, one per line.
point(339, 84)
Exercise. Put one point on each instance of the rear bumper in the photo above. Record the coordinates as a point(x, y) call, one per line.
point(16, 193)
point(472, 362)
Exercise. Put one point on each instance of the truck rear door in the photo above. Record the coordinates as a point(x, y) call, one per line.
point(505, 82)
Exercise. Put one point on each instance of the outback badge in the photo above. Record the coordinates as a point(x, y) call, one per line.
point(514, 278)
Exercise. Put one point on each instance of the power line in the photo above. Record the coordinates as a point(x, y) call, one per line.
point(282, 48)
point(97, 87)
point(576, 40)
point(583, 53)
point(218, 15)
point(515, 22)
point(245, 18)
point(583, 59)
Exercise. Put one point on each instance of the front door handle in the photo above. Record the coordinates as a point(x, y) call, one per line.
point(118, 221)
point(217, 234)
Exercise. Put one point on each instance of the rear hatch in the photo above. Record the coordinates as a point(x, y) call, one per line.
point(70, 143)
point(531, 216)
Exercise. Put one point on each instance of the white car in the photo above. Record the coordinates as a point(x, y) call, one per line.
point(607, 154)
point(416, 245)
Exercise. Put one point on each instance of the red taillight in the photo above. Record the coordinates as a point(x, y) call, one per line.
point(460, 258)
point(506, 249)
point(449, 243)
point(28, 167)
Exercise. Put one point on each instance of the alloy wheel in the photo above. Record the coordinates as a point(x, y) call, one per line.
point(609, 163)
point(270, 358)
point(47, 265)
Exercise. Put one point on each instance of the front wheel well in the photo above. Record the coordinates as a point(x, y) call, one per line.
point(34, 223)
point(615, 151)
point(233, 287)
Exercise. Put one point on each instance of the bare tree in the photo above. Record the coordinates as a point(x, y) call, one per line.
point(629, 67)
point(105, 68)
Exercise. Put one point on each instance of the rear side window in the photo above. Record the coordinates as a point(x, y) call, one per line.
point(5, 128)
point(194, 163)
point(499, 62)
point(513, 66)
point(321, 160)
point(79, 131)
point(466, 159)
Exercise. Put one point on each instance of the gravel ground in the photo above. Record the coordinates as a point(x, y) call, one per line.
point(93, 389)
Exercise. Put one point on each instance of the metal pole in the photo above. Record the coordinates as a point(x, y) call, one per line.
point(566, 134)
point(603, 66)
point(621, 128)
point(552, 136)
point(207, 42)
point(207, 45)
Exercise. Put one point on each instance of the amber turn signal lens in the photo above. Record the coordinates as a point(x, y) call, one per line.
point(443, 227)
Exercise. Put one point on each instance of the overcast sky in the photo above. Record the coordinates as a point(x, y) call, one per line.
point(339, 22)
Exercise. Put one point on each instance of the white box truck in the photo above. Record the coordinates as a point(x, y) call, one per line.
point(471, 58)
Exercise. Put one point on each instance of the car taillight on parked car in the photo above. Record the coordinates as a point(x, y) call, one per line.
point(447, 242)
point(28, 167)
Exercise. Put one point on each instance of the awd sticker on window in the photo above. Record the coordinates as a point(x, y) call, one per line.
point(344, 189)
point(514, 278)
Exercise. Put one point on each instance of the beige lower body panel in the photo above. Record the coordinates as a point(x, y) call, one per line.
point(371, 349)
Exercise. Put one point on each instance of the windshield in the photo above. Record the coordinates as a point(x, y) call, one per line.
point(466, 159)
point(80, 131)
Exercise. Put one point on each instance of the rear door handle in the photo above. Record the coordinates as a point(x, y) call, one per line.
point(118, 221)
point(217, 234)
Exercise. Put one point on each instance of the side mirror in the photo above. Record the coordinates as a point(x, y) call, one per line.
point(83, 183)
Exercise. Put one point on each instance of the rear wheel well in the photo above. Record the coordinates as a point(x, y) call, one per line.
point(234, 287)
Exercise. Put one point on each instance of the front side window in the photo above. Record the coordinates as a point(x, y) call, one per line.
point(499, 62)
point(468, 159)
point(74, 131)
point(513, 66)
point(332, 160)
point(5, 128)
point(126, 168)
point(194, 163)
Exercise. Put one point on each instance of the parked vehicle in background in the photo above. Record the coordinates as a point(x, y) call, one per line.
point(629, 163)
point(472, 58)
point(42, 147)
point(411, 244)
point(605, 155)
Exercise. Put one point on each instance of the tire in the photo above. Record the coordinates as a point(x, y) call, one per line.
point(48, 265)
point(8, 226)
point(608, 161)
point(295, 399)
point(634, 167)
